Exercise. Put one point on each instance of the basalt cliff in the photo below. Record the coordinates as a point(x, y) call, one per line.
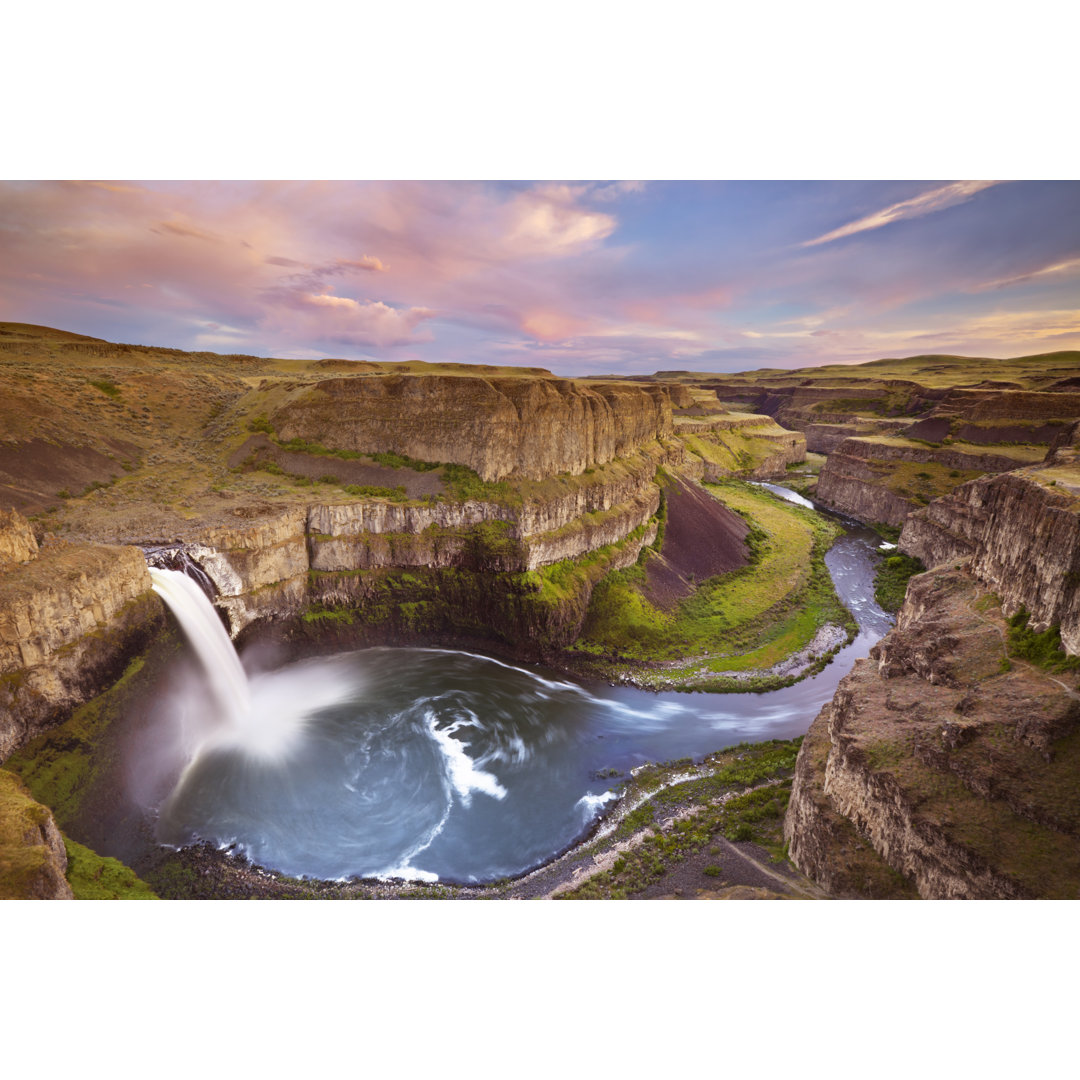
point(946, 764)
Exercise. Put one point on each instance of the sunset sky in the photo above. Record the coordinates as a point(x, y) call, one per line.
point(577, 277)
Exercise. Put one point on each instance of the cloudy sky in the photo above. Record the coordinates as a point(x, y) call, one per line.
point(585, 278)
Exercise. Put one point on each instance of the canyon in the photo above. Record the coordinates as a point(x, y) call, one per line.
point(334, 506)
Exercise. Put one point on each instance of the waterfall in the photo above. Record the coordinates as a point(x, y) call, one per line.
point(202, 627)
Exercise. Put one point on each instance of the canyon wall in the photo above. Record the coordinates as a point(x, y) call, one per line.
point(1020, 532)
point(880, 479)
point(739, 444)
point(497, 426)
point(70, 616)
point(950, 756)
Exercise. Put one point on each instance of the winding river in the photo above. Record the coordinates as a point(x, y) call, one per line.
point(436, 764)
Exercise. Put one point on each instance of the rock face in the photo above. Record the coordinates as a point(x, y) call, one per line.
point(17, 543)
point(261, 566)
point(739, 444)
point(1022, 537)
point(33, 861)
point(957, 768)
point(947, 753)
point(497, 426)
point(69, 618)
point(883, 480)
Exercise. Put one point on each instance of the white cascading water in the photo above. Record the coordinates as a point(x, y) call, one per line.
point(263, 716)
point(202, 627)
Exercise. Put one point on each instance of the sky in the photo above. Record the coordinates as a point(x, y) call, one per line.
point(612, 277)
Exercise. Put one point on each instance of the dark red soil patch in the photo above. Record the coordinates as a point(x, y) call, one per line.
point(1045, 433)
point(932, 430)
point(259, 449)
point(702, 538)
point(33, 472)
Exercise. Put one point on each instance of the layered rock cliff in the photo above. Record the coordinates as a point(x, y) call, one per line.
point(883, 479)
point(951, 756)
point(69, 619)
point(955, 764)
point(261, 565)
point(740, 444)
point(1020, 532)
point(17, 541)
point(497, 426)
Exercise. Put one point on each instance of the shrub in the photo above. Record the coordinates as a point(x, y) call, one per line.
point(890, 581)
point(110, 389)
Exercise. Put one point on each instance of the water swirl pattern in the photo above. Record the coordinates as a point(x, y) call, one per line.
point(439, 764)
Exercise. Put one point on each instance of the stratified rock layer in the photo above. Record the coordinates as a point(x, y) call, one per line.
point(956, 765)
point(875, 480)
point(69, 619)
point(498, 426)
point(1022, 537)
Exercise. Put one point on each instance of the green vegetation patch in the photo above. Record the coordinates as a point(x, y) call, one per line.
point(21, 863)
point(62, 765)
point(923, 481)
point(97, 877)
point(748, 619)
point(739, 450)
point(741, 796)
point(109, 389)
point(1044, 650)
point(890, 581)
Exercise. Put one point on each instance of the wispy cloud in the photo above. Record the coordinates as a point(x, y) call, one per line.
point(1061, 268)
point(928, 202)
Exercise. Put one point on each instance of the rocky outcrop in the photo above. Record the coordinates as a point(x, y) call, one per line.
point(955, 765)
point(33, 862)
point(884, 480)
point(17, 542)
point(260, 565)
point(740, 444)
point(497, 426)
point(69, 619)
point(824, 438)
point(1022, 537)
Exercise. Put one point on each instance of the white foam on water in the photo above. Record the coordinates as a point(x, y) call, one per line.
point(590, 805)
point(670, 707)
point(462, 772)
point(785, 493)
point(885, 546)
point(550, 683)
point(405, 870)
point(405, 873)
point(515, 752)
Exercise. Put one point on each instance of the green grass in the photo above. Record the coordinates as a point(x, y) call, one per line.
point(21, 818)
point(747, 813)
point(923, 481)
point(109, 389)
point(97, 877)
point(748, 619)
point(61, 765)
point(891, 578)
